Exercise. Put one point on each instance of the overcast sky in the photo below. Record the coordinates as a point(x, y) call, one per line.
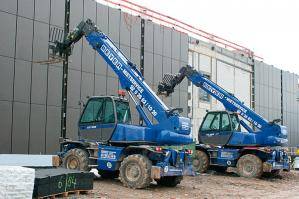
point(268, 27)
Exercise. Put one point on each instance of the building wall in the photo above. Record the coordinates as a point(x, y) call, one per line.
point(30, 93)
point(230, 70)
point(276, 97)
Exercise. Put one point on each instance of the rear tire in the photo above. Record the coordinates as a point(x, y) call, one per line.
point(250, 166)
point(170, 181)
point(108, 174)
point(200, 162)
point(76, 159)
point(135, 171)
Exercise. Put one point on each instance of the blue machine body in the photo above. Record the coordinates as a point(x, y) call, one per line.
point(225, 147)
point(170, 129)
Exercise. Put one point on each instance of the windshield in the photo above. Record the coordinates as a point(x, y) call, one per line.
point(123, 112)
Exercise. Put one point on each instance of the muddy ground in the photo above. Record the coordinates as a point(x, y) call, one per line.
point(211, 185)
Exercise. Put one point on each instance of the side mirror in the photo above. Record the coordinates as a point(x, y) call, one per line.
point(81, 102)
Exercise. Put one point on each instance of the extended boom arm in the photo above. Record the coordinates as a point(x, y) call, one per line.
point(230, 102)
point(129, 76)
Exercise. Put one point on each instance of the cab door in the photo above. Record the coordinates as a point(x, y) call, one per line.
point(216, 129)
point(97, 121)
point(209, 128)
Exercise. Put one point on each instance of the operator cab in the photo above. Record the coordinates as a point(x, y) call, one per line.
point(100, 117)
point(217, 127)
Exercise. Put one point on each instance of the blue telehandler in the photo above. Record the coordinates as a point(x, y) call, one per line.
point(222, 144)
point(109, 142)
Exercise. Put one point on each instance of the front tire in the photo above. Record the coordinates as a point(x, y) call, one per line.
point(170, 181)
point(250, 166)
point(76, 159)
point(135, 171)
point(200, 162)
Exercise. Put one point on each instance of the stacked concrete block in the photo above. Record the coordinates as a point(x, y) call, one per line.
point(16, 182)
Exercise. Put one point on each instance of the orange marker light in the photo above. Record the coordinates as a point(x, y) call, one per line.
point(121, 93)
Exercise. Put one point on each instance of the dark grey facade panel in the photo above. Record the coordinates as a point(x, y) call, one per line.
point(24, 39)
point(158, 39)
point(20, 128)
point(57, 12)
point(112, 86)
point(9, 6)
point(26, 8)
point(184, 47)
point(149, 36)
point(53, 129)
point(74, 84)
point(183, 100)
point(37, 129)
point(175, 99)
point(184, 83)
point(72, 123)
point(135, 31)
point(100, 65)
point(5, 123)
point(176, 43)
point(8, 33)
point(87, 85)
point(39, 84)
point(175, 66)
point(166, 65)
point(148, 67)
point(114, 20)
point(102, 17)
point(22, 81)
point(100, 85)
point(76, 14)
point(54, 86)
point(76, 58)
point(90, 9)
point(135, 56)
point(158, 70)
point(40, 41)
point(167, 42)
point(125, 29)
point(88, 57)
point(126, 50)
point(42, 11)
point(6, 78)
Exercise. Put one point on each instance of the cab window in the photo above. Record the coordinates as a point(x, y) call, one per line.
point(235, 122)
point(225, 123)
point(123, 112)
point(93, 111)
point(212, 122)
point(108, 112)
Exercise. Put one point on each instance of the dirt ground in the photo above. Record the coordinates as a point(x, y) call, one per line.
point(210, 185)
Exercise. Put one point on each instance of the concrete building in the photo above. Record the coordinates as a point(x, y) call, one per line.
point(30, 93)
point(271, 92)
point(232, 71)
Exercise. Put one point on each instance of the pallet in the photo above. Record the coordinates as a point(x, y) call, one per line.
point(52, 182)
point(65, 194)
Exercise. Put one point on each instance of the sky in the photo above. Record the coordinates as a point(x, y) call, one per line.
point(270, 28)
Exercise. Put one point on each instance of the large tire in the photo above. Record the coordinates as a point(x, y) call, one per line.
point(108, 174)
point(76, 159)
point(170, 181)
point(200, 161)
point(250, 166)
point(135, 171)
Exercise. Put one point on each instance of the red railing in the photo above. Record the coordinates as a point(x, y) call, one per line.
point(179, 25)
